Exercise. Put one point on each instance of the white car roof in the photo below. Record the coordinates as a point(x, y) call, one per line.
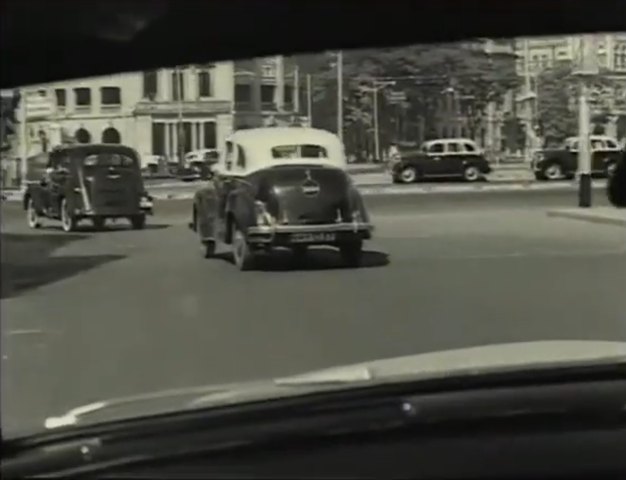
point(257, 144)
point(450, 140)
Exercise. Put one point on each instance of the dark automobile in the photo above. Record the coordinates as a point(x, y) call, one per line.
point(95, 182)
point(450, 157)
point(562, 162)
point(616, 188)
point(281, 187)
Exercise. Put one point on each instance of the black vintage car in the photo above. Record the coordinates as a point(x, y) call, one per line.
point(562, 162)
point(450, 157)
point(281, 187)
point(94, 182)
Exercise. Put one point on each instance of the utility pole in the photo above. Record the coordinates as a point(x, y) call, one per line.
point(309, 99)
point(340, 95)
point(527, 103)
point(24, 137)
point(296, 89)
point(588, 66)
point(280, 83)
point(181, 130)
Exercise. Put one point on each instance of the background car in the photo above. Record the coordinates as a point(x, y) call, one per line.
point(451, 157)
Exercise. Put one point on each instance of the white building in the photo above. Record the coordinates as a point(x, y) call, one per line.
point(138, 109)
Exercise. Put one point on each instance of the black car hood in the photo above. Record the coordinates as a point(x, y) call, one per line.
point(474, 361)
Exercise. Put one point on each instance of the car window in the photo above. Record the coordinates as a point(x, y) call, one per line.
point(229, 155)
point(597, 145)
point(108, 160)
point(611, 144)
point(435, 148)
point(299, 151)
point(469, 147)
point(453, 147)
point(241, 157)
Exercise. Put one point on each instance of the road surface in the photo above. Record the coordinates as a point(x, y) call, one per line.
point(89, 316)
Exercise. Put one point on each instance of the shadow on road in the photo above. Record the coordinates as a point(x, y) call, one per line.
point(316, 259)
point(27, 262)
point(111, 227)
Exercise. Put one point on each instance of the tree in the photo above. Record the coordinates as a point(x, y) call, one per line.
point(469, 71)
point(557, 102)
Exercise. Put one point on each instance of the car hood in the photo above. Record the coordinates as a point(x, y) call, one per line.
point(474, 361)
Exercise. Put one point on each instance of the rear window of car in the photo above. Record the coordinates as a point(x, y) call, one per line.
point(469, 147)
point(299, 151)
point(108, 160)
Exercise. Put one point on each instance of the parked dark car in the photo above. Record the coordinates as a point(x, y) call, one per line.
point(281, 187)
point(562, 162)
point(616, 188)
point(450, 157)
point(94, 182)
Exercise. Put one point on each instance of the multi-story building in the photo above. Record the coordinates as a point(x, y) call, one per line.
point(537, 54)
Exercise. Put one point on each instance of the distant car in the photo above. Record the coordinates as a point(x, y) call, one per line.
point(562, 162)
point(89, 182)
point(198, 164)
point(281, 187)
point(449, 157)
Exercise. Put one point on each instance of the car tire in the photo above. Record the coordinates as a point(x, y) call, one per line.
point(408, 174)
point(471, 173)
point(68, 220)
point(540, 176)
point(300, 253)
point(98, 223)
point(352, 253)
point(552, 172)
point(243, 256)
point(138, 222)
point(32, 217)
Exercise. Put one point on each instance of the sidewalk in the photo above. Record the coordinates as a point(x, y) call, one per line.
point(602, 215)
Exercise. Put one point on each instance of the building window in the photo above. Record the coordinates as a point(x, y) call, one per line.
point(210, 137)
point(150, 84)
point(83, 97)
point(178, 86)
point(82, 136)
point(204, 84)
point(187, 147)
point(620, 57)
point(158, 139)
point(111, 96)
point(61, 97)
point(111, 135)
point(267, 96)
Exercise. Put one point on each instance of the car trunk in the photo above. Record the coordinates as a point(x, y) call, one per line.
point(114, 190)
point(302, 195)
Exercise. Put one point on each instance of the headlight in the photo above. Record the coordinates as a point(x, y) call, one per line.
point(145, 202)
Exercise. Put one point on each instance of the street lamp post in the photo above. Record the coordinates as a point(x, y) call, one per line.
point(181, 130)
point(340, 95)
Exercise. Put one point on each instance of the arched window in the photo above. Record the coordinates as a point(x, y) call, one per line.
point(111, 135)
point(82, 136)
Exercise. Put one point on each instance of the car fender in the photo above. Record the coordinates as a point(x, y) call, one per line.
point(357, 203)
point(204, 210)
point(240, 208)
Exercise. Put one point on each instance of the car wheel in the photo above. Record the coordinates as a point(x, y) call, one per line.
point(68, 221)
point(98, 222)
point(242, 255)
point(553, 172)
point(138, 222)
point(209, 248)
point(408, 175)
point(610, 168)
point(540, 176)
point(32, 217)
point(471, 174)
point(352, 253)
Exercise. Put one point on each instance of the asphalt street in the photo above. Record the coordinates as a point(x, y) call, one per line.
point(94, 315)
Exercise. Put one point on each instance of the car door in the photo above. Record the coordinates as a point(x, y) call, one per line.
point(452, 162)
point(58, 179)
point(434, 164)
point(599, 155)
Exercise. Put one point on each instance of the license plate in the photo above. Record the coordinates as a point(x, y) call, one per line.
point(313, 237)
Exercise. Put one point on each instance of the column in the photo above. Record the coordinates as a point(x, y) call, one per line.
point(166, 134)
point(174, 130)
point(201, 134)
point(163, 87)
point(194, 135)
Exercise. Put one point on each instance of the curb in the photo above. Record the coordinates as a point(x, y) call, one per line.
point(389, 189)
point(589, 217)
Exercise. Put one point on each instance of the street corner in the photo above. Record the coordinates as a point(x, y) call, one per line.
point(600, 215)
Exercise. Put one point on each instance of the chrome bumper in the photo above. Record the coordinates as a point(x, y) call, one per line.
point(353, 227)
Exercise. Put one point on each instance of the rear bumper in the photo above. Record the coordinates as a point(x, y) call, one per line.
point(329, 234)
